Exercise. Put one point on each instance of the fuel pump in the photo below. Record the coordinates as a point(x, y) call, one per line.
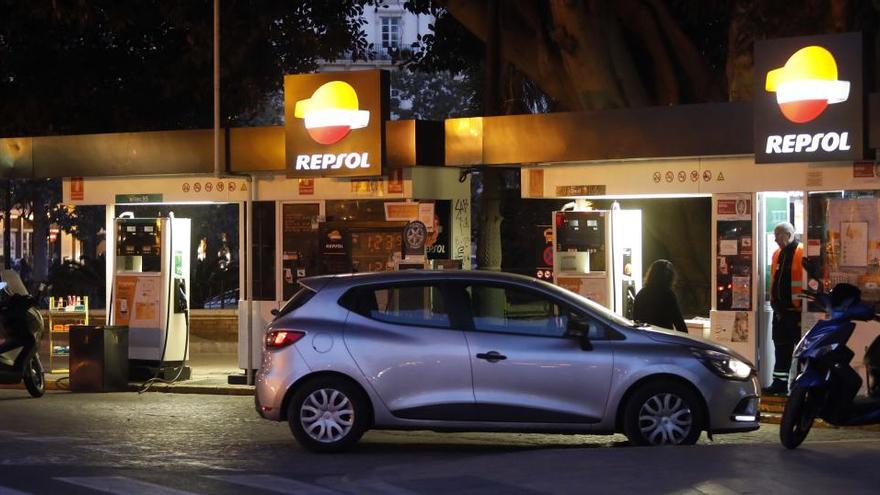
point(598, 254)
point(151, 294)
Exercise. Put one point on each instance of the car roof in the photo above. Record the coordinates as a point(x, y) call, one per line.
point(354, 279)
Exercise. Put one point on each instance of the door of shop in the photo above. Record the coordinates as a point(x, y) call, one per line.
point(774, 207)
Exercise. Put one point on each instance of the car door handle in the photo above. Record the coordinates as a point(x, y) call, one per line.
point(492, 356)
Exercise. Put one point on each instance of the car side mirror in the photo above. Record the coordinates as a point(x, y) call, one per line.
point(580, 330)
point(274, 312)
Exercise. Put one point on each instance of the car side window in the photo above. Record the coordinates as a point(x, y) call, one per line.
point(502, 309)
point(420, 305)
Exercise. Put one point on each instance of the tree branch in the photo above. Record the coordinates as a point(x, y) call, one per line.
point(643, 24)
point(524, 50)
point(691, 61)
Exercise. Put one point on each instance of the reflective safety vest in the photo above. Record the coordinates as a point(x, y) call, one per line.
point(797, 276)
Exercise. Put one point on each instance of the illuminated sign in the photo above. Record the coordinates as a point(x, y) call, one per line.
point(808, 99)
point(807, 84)
point(334, 123)
point(331, 112)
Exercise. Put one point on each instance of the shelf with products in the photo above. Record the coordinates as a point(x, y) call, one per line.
point(64, 312)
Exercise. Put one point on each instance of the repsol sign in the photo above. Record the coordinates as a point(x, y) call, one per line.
point(807, 143)
point(808, 99)
point(334, 123)
point(326, 161)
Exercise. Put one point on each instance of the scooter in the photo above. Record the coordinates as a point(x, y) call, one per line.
point(21, 327)
point(824, 384)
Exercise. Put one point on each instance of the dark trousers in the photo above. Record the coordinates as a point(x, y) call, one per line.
point(786, 334)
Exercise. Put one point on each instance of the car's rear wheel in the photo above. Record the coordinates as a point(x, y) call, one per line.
point(328, 415)
point(663, 413)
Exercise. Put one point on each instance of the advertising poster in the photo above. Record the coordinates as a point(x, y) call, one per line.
point(403, 211)
point(734, 251)
point(734, 266)
point(854, 244)
point(734, 329)
point(742, 294)
point(741, 329)
point(123, 296)
point(299, 244)
point(136, 300)
point(734, 207)
point(437, 246)
point(334, 249)
point(395, 181)
point(146, 303)
point(723, 327)
point(850, 251)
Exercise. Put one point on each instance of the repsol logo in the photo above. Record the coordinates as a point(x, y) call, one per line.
point(333, 246)
point(808, 143)
point(332, 162)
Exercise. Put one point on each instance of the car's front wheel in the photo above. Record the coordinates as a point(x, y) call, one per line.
point(34, 379)
point(663, 413)
point(328, 415)
point(798, 416)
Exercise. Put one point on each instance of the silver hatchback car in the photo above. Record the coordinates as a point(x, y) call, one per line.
point(486, 351)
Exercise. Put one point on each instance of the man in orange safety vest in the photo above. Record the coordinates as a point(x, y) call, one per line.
point(787, 275)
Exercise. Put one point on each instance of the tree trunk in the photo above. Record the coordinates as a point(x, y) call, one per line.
point(40, 239)
point(740, 58)
point(489, 242)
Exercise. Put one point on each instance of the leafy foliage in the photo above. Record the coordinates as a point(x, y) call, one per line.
point(432, 96)
point(107, 66)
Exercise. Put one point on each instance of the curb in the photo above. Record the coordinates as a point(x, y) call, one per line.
point(242, 390)
point(194, 389)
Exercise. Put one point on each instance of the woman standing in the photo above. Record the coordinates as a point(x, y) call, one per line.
point(656, 303)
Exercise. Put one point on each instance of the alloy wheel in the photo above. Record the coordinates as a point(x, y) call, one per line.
point(665, 419)
point(327, 415)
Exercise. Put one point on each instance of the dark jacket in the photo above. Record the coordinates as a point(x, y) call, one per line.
point(658, 306)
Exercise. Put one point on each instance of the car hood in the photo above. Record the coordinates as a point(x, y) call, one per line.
point(667, 336)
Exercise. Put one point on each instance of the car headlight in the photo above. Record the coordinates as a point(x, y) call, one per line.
point(723, 364)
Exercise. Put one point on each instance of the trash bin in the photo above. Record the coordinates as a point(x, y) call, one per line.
point(98, 358)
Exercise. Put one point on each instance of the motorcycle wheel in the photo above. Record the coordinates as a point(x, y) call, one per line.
point(34, 380)
point(797, 417)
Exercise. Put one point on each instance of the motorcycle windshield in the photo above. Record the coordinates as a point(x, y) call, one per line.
point(14, 285)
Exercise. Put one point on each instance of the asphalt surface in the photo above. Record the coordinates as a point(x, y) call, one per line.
point(174, 443)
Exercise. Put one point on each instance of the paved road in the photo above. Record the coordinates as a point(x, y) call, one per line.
point(171, 444)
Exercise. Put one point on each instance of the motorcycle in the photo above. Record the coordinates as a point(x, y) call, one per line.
point(824, 383)
point(21, 327)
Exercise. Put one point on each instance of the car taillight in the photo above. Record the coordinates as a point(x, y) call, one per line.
point(277, 339)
